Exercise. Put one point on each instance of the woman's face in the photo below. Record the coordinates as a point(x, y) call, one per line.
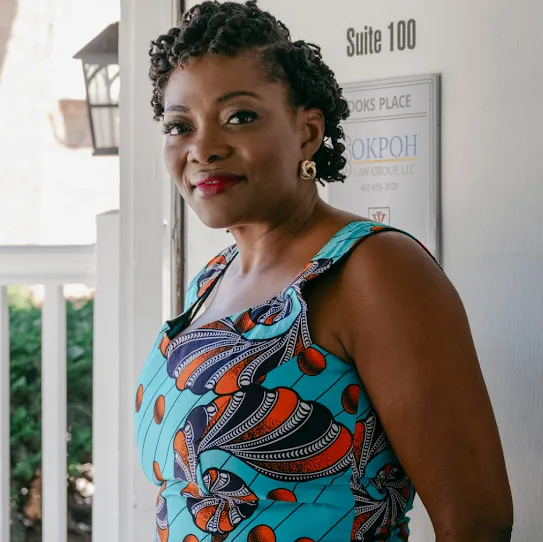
point(234, 143)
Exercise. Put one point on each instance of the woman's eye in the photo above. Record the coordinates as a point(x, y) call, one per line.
point(242, 117)
point(175, 129)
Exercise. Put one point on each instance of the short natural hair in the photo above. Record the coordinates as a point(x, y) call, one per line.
point(229, 28)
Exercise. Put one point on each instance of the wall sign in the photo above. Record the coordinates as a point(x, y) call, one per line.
point(392, 150)
point(399, 36)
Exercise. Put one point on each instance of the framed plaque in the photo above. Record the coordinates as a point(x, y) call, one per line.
point(392, 146)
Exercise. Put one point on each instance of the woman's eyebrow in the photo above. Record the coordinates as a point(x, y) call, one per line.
point(178, 108)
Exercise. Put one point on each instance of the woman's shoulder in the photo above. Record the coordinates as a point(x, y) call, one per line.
point(393, 279)
point(388, 248)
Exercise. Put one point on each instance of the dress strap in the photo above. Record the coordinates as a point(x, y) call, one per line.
point(200, 287)
point(203, 282)
point(340, 246)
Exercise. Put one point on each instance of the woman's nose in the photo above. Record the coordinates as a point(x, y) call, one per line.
point(208, 147)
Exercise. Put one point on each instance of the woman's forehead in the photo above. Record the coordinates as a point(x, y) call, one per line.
point(211, 77)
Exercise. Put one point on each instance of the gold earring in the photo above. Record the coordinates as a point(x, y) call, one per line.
point(308, 170)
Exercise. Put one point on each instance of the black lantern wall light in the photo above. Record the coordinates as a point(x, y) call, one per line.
point(100, 59)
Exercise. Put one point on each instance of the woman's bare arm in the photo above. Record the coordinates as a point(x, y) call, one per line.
point(405, 327)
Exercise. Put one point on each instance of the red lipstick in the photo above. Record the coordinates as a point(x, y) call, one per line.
point(214, 183)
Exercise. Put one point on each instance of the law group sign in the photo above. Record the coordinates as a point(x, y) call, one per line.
point(392, 151)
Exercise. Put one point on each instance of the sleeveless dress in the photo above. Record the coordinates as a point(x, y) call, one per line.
point(255, 433)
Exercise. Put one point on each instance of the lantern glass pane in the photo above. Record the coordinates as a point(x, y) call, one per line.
point(105, 122)
point(103, 83)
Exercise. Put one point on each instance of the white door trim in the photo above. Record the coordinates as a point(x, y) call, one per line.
point(144, 219)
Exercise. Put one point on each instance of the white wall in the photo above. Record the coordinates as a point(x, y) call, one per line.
point(489, 56)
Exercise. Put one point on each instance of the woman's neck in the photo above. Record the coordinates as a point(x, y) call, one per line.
point(261, 244)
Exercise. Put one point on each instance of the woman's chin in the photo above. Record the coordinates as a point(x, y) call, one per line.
point(216, 221)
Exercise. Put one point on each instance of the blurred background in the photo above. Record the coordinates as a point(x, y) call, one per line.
point(52, 187)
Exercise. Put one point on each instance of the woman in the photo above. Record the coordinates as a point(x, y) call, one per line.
point(352, 378)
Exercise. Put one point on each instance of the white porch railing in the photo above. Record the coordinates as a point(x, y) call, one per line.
point(54, 267)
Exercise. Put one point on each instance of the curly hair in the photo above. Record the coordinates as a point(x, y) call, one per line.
point(213, 28)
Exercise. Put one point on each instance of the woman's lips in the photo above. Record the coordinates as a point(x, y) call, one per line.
point(213, 185)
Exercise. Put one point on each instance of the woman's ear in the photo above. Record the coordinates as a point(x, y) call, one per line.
point(313, 132)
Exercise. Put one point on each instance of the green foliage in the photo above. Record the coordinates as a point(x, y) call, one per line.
point(25, 377)
point(25, 380)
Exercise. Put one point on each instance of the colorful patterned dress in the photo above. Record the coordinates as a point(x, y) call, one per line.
point(255, 433)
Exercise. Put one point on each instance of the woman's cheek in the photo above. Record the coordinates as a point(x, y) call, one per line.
point(174, 159)
point(169, 156)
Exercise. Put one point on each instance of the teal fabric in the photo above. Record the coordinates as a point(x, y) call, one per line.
point(255, 433)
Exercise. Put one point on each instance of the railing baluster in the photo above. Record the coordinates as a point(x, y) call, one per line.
point(4, 416)
point(54, 462)
point(106, 383)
